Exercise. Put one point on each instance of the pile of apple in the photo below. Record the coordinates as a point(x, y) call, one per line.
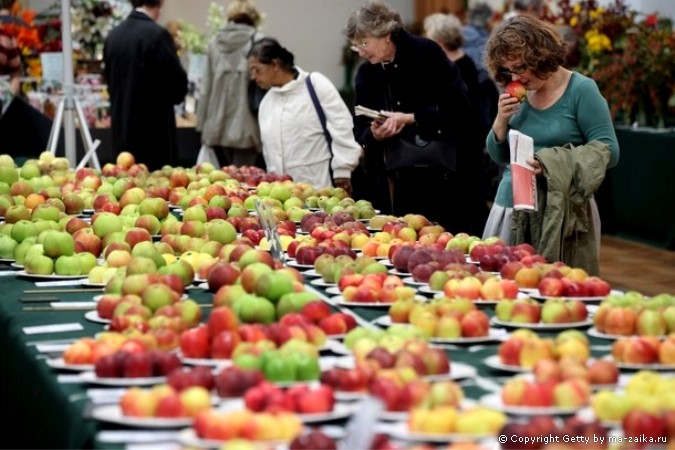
point(331, 268)
point(215, 425)
point(442, 317)
point(339, 221)
point(88, 350)
point(482, 286)
point(570, 393)
point(252, 175)
point(645, 350)
point(559, 434)
point(306, 252)
point(524, 348)
point(632, 314)
point(401, 395)
point(423, 359)
point(491, 255)
point(233, 381)
point(300, 399)
point(596, 372)
point(141, 363)
point(443, 420)
point(292, 362)
point(422, 262)
point(163, 401)
point(374, 288)
point(56, 255)
point(645, 392)
point(413, 228)
point(552, 311)
point(318, 313)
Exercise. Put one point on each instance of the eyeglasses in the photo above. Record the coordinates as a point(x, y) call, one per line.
point(360, 47)
point(517, 70)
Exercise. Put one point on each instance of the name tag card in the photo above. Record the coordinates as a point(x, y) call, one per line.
point(57, 328)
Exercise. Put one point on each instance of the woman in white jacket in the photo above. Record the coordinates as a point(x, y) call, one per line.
point(292, 135)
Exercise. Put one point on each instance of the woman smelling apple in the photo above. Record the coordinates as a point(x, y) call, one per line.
point(569, 121)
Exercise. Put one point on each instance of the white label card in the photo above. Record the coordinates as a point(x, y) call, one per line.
point(57, 328)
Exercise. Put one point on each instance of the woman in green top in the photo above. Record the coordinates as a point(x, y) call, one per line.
point(562, 106)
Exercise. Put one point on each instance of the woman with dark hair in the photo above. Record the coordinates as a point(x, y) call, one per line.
point(293, 137)
point(223, 117)
point(145, 80)
point(567, 117)
point(421, 93)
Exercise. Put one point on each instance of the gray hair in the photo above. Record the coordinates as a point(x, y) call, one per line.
point(480, 15)
point(446, 29)
point(375, 19)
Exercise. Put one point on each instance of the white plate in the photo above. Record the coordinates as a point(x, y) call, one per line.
point(209, 362)
point(93, 316)
point(401, 431)
point(458, 371)
point(90, 377)
point(339, 300)
point(599, 334)
point(16, 265)
point(189, 439)
point(59, 363)
point(7, 260)
point(412, 282)
point(542, 326)
point(635, 366)
point(319, 282)
point(348, 396)
point(400, 274)
point(494, 334)
point(488, 302)
point(386, 321)
point(588, 415)
point(494, 401)
point(113, 414)
point(293, 263)
point(425, 289)
point(333, 290)
point(87, 283)
point(340, 411)
point(494, 362)
point(535, 294)
point(311, 273)
point(23, 273)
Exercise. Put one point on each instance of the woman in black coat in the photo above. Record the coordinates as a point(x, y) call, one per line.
point(145, 80)
point(422, 95)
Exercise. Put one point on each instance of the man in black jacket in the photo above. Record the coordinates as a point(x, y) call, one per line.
point(145, 80)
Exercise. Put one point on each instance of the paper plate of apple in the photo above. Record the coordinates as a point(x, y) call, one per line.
point(339, 300)
point(53, 276)
point(92, 316)
point(60, 364)
point(321, 283)
point(401, 430)
point(311, 273)
point(412, 282)
point(458, 371)
point(539, 296)
point(333, 290)
point(400, 274)
point(542, 326)
point(209, 362)
point(495, 402)
point(113, 414)
point(494, 362)
point(7, 260)
point(494, 334)
point(16, 265)
point(91, 377)
point(293, 263)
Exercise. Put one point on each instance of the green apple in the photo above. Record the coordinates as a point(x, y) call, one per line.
point(39, 264)
point(273, 285)
point(87, 262)
point(293, 302)
point(278, 369)
point(58, 243)
point(22, 230)
point(248, 361)
point(306, 366)
point(46, 212)
point(221, 230)
point(68, 265)
point(7, 246)
point(106, 223)
point(256, 310)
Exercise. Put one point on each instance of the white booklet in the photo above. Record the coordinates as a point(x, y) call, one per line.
point(375, 115)
point(523, 178)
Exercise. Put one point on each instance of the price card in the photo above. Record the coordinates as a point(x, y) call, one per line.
point(360, 430)
point(270, 227)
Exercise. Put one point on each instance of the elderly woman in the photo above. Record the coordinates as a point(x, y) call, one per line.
point(423, 99)
point(574, 139)
point(293, 137)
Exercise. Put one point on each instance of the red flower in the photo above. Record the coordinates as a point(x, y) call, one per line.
point(652, 20)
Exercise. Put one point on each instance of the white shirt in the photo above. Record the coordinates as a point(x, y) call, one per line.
point(292, 136)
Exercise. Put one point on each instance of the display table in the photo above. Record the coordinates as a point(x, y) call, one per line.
point(637, 198)
point(42, 412)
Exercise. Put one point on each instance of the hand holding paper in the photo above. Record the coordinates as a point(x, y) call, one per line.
point(523, 178)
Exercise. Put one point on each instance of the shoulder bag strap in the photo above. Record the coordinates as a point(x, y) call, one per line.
point(322, 119)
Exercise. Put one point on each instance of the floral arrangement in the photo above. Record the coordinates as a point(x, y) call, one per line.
point(192, 39)
point(631, 56)
point(92, 20)
point(23, 28)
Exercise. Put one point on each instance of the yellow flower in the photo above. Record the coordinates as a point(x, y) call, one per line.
point(576, 8)
point(574, 21)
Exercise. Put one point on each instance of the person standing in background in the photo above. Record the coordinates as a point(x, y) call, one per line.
point(421, 93)
point(446, 31)
point(293, 137)
point(145, 80)
point(224, 117)
point(476, 33)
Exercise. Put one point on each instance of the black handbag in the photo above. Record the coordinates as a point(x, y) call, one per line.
point(408, 151)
